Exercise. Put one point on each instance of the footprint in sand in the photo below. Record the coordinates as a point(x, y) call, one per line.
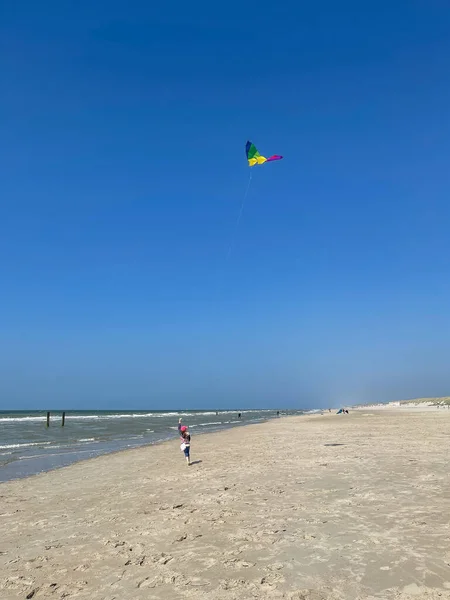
point(138, 561)
point(161, 559)
point(82, 568)
point(151, 582)
point(271, 579)
point(233, 584)
point(306, 595)
point(235, 563)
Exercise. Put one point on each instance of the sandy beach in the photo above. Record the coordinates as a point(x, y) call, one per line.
point(303, 508)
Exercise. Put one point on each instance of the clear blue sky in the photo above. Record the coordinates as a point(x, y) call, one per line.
point(123, 126)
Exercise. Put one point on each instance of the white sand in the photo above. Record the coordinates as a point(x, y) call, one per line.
point(272, 511)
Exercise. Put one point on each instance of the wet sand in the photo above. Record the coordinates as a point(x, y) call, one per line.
point(302, 508)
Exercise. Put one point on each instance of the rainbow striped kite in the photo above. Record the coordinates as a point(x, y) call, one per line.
point(255, 158)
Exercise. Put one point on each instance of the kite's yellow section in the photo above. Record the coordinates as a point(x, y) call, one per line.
point(259, 160)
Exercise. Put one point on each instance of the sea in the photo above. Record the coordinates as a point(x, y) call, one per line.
point(28, 446)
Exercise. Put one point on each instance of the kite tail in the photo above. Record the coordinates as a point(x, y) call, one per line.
point(236, 227)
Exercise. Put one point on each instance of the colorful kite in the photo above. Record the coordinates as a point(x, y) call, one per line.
point(255, 158)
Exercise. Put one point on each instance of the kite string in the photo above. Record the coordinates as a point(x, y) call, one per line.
point(240, 215)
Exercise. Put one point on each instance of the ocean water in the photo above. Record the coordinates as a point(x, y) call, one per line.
point(28, 446)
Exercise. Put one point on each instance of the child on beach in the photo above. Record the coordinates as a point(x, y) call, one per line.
point(186, 441)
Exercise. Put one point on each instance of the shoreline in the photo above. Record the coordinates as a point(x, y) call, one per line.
point(298, 508)
point(147, 447)
point(52, 457)
point(392, 407)
point(125, 451)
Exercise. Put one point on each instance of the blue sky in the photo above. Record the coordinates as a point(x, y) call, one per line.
point(122, 171)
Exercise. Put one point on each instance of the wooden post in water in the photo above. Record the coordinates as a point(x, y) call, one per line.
point(48, 419)
point(63, 422)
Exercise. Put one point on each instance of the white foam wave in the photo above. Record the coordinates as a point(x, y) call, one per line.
point(21, 419)
point(112, 416)
point(59, 454)
point(96, 417)
point(170, 414)
point(13, 446)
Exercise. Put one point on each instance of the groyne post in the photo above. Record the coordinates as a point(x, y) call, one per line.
point(48, 419)
point(63, 420)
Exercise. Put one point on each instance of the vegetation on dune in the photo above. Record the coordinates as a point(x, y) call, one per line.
point(442, 401)
point(435, 401)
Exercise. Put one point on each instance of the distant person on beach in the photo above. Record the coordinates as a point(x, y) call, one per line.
point(186, 441)
point(239, 415)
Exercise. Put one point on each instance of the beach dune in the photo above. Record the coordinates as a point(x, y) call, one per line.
point(303, 508)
